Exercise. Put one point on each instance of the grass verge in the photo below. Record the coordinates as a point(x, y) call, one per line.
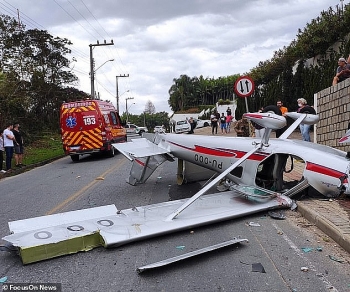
point(46, 148)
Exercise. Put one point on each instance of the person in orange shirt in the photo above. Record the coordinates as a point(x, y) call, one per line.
point(283, 110)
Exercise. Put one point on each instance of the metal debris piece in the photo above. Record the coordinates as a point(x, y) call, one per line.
point(258, 267)
point(307, 249)
point(190, 254)
point(9, 248)
point(304, 269)
point(336, 259)
point(180, 247)
point(277, 215)
point(254, 224)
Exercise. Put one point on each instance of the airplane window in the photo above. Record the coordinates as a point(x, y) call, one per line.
point(237, 171)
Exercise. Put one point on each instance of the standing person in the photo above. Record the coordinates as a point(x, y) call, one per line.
point(228, 123)
point(192, 125)
point(2, 150)
point(9, 138)
point(242, 128)
point(305, 108)
point(228, 111)
point(18, 145)
point(214, 123)
point(283, 110)
point(343, 71)
point(223, 123)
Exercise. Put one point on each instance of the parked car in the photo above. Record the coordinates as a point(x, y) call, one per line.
point(182, 127)
point(202, 123)
point(133, 129)
point(160, 129)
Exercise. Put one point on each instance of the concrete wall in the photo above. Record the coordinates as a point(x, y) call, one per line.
point(333, 106)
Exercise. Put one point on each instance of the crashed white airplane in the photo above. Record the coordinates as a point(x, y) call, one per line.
point(254, 171)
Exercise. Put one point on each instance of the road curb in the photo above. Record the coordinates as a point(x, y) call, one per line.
point(338, 231)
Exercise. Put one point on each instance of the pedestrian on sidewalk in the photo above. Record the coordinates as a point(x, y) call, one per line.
point(2, 150)
point(18, 145)
point(8, 144)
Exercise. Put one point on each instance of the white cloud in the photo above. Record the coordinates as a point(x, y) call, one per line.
point(156, 41)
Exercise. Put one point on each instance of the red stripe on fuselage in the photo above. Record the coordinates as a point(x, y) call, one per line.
point(222, 152)
point(324, 170)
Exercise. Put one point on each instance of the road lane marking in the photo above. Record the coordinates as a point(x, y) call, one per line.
point(79, 193)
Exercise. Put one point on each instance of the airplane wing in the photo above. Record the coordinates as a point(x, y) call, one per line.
point(139, 148)
point(145, 156)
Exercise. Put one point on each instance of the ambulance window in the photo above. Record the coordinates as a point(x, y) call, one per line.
point(114, 118)
point(106, 118)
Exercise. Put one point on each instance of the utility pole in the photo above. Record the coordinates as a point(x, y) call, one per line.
point(92, 65)
point(117, 91)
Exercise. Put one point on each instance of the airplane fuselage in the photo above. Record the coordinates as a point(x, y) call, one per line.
point(325, 168)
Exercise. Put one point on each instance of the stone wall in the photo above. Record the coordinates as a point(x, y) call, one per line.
point(333, 106)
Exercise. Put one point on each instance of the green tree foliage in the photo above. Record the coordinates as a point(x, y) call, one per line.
point(35, 76)
point(149, 120)
point(187, 92)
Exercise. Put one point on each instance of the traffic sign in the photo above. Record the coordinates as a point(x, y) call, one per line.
point(244, 86)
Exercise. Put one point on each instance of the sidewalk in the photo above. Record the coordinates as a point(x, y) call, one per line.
point(332, 216)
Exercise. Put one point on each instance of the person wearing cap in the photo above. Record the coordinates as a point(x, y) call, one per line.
point(343, 71)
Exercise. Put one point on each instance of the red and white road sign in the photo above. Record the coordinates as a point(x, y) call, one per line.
point(244, 86)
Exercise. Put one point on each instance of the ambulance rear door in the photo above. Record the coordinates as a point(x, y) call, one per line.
point(81, 127)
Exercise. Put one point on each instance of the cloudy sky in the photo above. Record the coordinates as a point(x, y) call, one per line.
point(156, 41)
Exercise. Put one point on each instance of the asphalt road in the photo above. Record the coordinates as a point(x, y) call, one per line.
point(276, 244)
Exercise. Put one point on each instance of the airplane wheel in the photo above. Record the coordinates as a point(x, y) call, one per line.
point(308, 110)
point(272, 109)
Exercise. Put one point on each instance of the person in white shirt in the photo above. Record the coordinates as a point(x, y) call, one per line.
point(9, 138)
point(2, 149)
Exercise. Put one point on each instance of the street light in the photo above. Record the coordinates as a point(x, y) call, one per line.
point(93, 77)
point(117, 91)
point(126, 107)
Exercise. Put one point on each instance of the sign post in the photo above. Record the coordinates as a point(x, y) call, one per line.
point(244, 87)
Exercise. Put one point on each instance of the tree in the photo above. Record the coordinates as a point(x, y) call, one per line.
point(149, 107)
point(36, 75)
